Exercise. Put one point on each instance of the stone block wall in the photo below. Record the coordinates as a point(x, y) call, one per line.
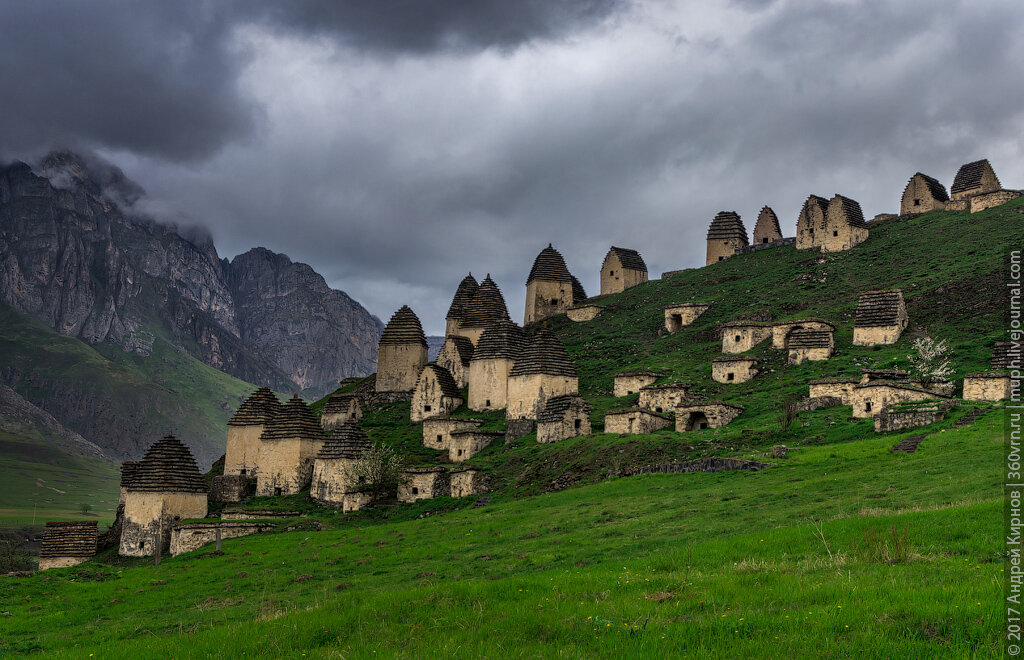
point(662, 398)
point(527, 393)
point(630, 383)
point(988, 200)
point(742, 338)
point(583, 313)
point(286, 465)
point(399, 366)
point(192, 536)
point(437, 430)
point(898, 418)
point(733, 371)
point(232, 488)
point(634, 422)
point(841, 389)
point(711, 415)
point(987, 387)
point(467, 443)
point(488, 384)
point(243, 449)
point(150, 516)
point(680, 316)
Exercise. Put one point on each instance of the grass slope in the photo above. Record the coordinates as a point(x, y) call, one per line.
point(842, 549)
point(120, 401)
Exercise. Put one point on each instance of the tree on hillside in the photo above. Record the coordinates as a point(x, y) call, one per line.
point(380, 471)
point(930, 360)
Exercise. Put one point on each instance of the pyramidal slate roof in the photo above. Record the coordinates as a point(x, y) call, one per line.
point(767, 223)
point(463, 294)
point(257, 410)
point(878, 308)
point(544, 354)
point(168, 467)
point(403, 328)
point(464, 348)
point(969, 176)
point(128, 471)
point(814, 200)
point(556, 407)
point(77, 538)
point(502, 340)
point(630, 259)
point(578, 292)
point(293, 420)
point(1003, 355)
point(727, 225)
point(550, 266)
point(851, 209)
point(485, 307)
point(340, 403)
point(348, 440)
point(936, 188)
point(810, 339)
point(444, 380)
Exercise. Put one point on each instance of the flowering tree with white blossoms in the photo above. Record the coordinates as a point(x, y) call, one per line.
point(930, 360)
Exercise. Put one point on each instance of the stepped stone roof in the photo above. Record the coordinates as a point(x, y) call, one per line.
point(636, 372)
point(810, 339)
point(346, 441)
point(897, 385)
point(463, 294)
point(294, 420)
point(128, 471)
point(747, 324)
point(463, 348)
point(814, 200)
point(257, 410)
point(667, 386)
point(425, 470)
point(550, 266)
point(998, 374)
point(727, 225)
point(833, 381)
point(767, 223)
point(444, 380)
point(77, 538)
point(556, 407)
point(878, 308)
point(1002, 355)
point(168, 467)
point(806, 320)
point(485, 307)
point(884, 374)
point(630, 259)
point(852, 211)
point(340, 403)
point(495, 434)
point(969, 176)
point(403, 328)
point(544, 354)
point(936, 188)
point(734, 358)
point(578, 292)
point(501, 340)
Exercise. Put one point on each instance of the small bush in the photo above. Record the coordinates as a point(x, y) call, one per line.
point(14, 559)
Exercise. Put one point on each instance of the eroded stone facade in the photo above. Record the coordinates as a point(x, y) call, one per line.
point(922, 194)
point(286, 465)
point(437, 430)
point(424, 484)
point(465, 482)
point(149, 518)
point(663, 398)
point(563, 417)
point(341, 409)
point(840, 388)
point(987, 387)
point(868, 399)
point(740, 336)
point(680, 316)
point(632, 381)
point(881, 318)
point(581, 313)
point(622, 268)
point(988, 200)
point(436, 393)
point(726, 236)
point(528, 393)
point(783, 330)
point(398, 366)
point(733, 370)
point(634, 421)
point(467, 443)
point(192, 536)
point(705, 415)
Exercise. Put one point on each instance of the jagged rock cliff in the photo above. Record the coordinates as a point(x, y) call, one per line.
point(76, 253)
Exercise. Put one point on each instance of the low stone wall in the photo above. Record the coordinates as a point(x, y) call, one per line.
point(899, 417)
point(584, 313)
point(813, 403)
point(517, 428)
point(711, 464)
point(256, 514)
point(757, 247)
point(988, 200)
point(191, 536)
point(232, 488)
point(374, 399)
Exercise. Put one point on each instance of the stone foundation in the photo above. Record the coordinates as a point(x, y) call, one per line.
point(904, 416)
point(232, 488)
point(583, 313)
point(839, 388)
point(988, 200)
point(192, 536)
point(813, 403)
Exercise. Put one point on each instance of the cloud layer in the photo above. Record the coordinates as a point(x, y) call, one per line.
point(395, 149)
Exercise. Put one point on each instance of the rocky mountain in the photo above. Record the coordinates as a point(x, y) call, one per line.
point(78, 252)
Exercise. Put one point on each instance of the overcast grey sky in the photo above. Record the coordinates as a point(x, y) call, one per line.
point(396, 144)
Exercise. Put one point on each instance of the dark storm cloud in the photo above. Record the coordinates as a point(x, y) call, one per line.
point(159, 77)
point(397, 150)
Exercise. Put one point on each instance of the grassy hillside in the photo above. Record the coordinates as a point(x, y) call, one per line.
point(841, 549)
point(41, 481)
point(121, 402)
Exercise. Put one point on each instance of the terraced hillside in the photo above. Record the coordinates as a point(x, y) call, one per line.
point(843, 548)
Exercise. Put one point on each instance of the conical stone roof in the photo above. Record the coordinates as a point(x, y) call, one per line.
point(486, 306)
point(77, 538)
point(727, 225)
point(502, 340)
point(257, 410)
point(555, 407)
point(403, 328)
point(935, 187)
point(549, 266)
point(168, 467)
point(630, 259)
point(970, 175)
point(340, 403)
point(294, 420)
point(544, 354)
point(578, 292)
point(348, 440)
point(128, 470)
point(463, 294)
point(767, 224)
